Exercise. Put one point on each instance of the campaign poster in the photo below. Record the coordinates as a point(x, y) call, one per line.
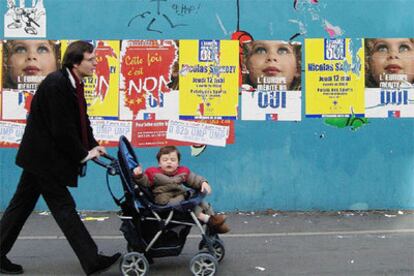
point(107, 132)
point(25, 64)
point(197, 132)
point(389, 77)
point(334, 74)
point(102, 89)
point(209, 79)
point(271, 73)
point(154, 133)
point(148, 80)
point(11, 134)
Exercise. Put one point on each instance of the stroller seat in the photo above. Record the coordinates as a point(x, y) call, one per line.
point(192, 199)
point(128, 161)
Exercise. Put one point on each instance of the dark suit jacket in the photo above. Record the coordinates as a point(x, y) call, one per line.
point(52, 144)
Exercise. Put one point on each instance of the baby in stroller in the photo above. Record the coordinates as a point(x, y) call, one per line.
point(157, 213)
point(166, 183)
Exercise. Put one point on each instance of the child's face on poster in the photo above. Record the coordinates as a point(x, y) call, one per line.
point(169, 163)
point(271, 59)
point(392, 56)
point(31, 58)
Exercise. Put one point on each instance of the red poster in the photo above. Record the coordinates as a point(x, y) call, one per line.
point(153, 133)
point(146, 75)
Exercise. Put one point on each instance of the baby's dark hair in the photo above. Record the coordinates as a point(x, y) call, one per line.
point(168, 150)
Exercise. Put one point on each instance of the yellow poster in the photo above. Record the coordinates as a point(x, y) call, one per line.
point(209, 79)
point(334, 74)
point(102, 89)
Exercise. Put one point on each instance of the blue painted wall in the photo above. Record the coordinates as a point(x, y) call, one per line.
point(280, 165)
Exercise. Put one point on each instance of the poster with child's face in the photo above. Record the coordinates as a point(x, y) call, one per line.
point(25, 64)
point(10, 132)
point(389, 77)
point(271, 88)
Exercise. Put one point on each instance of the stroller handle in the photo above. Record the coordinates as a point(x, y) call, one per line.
point(111, 167)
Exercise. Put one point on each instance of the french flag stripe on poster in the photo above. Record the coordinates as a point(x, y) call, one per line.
point(394, 114)
point(271, 117)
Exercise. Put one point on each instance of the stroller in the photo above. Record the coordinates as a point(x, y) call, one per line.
point(152, 230)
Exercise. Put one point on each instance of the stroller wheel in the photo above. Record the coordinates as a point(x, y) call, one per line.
point(134, 263)
point(203, 264)
point(218, 247)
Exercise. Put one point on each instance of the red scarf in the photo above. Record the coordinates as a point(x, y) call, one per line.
point(80, 93)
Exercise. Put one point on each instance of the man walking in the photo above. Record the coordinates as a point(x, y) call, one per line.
point(56, 144)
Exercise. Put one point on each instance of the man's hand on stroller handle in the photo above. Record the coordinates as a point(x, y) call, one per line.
point(94, 153)
point(97, 151)
point(112, 166)
point(205, 188)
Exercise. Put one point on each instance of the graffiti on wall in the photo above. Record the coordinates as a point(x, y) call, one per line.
point(163, 14)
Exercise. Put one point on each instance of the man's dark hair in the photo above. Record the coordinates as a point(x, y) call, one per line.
point(168, 150)
point(74, 53)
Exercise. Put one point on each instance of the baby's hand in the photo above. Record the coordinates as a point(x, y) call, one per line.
point(205, 188)
point(137, 172)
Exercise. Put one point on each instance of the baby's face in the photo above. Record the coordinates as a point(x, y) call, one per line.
point(169, 163)
point(31, 58)
point(271, 59)
point(392, 56)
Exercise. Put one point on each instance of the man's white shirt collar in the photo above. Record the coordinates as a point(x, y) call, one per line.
point(71, 78)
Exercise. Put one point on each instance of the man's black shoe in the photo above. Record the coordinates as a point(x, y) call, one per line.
point(104, 263)
point(7, 267)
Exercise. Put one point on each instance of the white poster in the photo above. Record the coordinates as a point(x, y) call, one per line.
point(389, 77)
point(389, 103)
point(271, 105)
point(107, 130)
point(15, 104)
point(21, 21)
point(11, 132)
point(198, 133)
point(271, 80)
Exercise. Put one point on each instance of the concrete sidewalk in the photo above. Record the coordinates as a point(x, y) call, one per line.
point(264, 243)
